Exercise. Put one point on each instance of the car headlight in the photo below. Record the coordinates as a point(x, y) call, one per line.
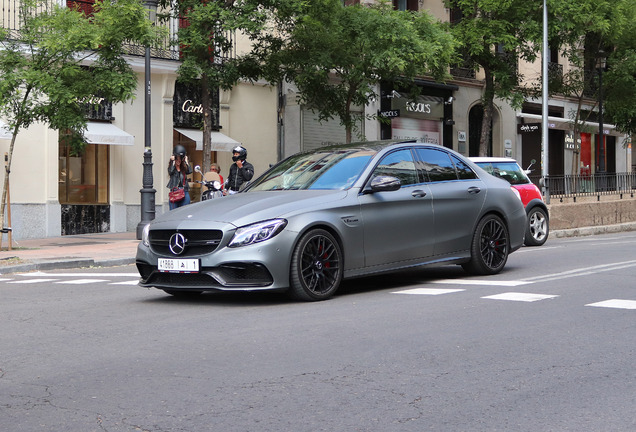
point(257, 232)
point(144, 235)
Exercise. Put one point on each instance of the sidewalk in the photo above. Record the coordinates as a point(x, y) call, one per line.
point(115, 249)
point(74, 251)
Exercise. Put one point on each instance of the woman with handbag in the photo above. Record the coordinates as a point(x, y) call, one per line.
point(178, 170)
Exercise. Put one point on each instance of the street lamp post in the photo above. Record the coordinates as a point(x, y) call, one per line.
point(601, 138)
point(147, 192)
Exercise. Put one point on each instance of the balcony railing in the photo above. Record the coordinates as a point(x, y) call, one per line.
point(165, 49)
point(595, 185)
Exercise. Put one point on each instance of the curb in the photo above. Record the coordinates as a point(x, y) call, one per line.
point(593, 230)
point(64, 264)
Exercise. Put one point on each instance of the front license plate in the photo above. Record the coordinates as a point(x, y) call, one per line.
point(178, 265)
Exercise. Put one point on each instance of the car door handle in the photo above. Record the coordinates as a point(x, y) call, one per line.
point(418, 193)
point(474, 190)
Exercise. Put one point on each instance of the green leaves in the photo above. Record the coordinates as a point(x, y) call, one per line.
point(44, 72)
point(335, 54)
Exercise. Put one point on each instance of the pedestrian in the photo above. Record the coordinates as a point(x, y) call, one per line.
point(178, 170)
point(215, 168)
point(241, 170)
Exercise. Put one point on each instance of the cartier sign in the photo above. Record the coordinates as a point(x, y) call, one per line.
point(189, 107)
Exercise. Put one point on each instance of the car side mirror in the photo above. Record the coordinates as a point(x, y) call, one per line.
point(382, 183)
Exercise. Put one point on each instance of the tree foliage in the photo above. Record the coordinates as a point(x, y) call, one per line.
point(493, 36)
point(336, 54)
point(60, 59)
point(207, 41)
point(621, 77)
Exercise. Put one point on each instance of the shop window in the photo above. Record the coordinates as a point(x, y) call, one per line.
point(83, 176)
point(405, 5)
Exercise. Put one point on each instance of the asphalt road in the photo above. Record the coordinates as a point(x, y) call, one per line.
point(547, 345)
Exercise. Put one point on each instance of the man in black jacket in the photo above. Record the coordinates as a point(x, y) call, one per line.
point(241, 171)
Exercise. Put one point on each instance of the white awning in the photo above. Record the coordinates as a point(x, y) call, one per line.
point(106, 133)
point(567, 124)
point(220, 142)
point(4, 131)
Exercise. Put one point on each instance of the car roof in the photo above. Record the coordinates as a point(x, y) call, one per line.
point(492, 159)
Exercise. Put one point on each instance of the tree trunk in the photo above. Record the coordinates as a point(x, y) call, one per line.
point(486, 124)
point(7, 171)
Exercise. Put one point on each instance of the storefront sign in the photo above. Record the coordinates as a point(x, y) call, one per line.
point(389, 113)
point(529, 128)
point(424, 107)
point(187, 109)
point(571, 143)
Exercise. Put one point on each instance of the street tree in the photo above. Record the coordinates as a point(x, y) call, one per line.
point(207, 41)
point(59, 59)
point(620, 79)
point(336, 55)
point(493, 35)
point(587, 33)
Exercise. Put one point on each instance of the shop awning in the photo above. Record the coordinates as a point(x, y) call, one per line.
point(220, 142)
point(4, 131)
point(106, 133)
point(567, 124)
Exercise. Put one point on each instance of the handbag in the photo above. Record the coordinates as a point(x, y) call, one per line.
point(177, 193)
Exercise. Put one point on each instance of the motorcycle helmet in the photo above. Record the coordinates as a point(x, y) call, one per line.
point(242, 151)
point(179, 150)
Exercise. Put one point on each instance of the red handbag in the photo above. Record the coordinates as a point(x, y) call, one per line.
point(177, 194)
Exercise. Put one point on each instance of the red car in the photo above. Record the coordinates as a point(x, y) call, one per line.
point(508, 169)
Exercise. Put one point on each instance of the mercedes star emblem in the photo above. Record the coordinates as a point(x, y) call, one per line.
point(177, 243)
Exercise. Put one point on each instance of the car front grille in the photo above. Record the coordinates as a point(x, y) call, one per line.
point(198, 242)
point(233, 275)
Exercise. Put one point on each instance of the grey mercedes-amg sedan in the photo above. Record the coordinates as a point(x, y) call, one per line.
point(337, 212)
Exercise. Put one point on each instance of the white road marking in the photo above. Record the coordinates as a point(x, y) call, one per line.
point(523, 297)
point(583, 271)
point(616, 304)
point(5, 279)
point(132, 282)
point(81, 281)
point(535, 249)
point(31, 281)
point(80, 274)
point(427, 291)
point(479, 282)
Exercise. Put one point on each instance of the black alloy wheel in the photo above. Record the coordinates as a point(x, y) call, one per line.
point(490, 247)
point(316, 266)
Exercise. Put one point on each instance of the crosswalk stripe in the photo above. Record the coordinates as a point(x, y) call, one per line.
point(615, 303)
point(523, 297)
point(427, 291)
point(479, 282)
point(132, 282)
point(30, 281)
point(81, 281)
point(80, 274)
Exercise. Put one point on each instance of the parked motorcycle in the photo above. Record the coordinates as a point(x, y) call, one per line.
point(213, 188)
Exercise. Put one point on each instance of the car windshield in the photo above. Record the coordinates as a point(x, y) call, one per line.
point(331, 170)
point(509, 171)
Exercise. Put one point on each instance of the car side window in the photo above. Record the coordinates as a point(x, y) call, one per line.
point(436, 165)
point(398, 164)
point(464, 172)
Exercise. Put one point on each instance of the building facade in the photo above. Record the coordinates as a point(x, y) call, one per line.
point(54, 192)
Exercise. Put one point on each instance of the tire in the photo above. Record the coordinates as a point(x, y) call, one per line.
point(537, 230)
point(316, 266)
point(490, 247)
